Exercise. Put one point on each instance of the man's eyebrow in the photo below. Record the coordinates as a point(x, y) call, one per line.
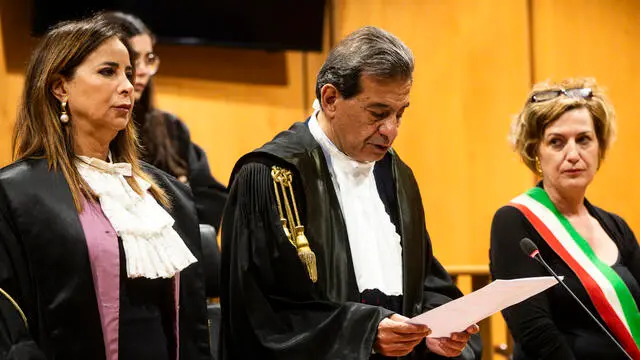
point(383, 106)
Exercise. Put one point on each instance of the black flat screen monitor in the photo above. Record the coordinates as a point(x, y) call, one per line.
point(256, 24)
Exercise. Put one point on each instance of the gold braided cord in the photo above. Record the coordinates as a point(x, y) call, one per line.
point(293, 228)
point(288, 210)
point(275, 175)
point(295, 208)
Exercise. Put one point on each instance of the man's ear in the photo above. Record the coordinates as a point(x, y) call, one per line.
point(329, 95)
point(60, 89)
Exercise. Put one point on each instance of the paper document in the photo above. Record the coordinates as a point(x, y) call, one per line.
point(459, 314)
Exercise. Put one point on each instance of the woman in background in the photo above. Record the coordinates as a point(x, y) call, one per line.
point(164, 137)
point(562, 134)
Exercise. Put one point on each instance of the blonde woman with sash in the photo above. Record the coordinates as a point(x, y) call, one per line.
point(562, 134)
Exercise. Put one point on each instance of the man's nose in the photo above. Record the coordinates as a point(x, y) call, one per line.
point(389, 128)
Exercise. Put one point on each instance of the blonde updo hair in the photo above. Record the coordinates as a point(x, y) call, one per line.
point(529, 125)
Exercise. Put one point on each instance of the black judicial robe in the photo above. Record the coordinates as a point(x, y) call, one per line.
point(270, 307)
point(44, 266)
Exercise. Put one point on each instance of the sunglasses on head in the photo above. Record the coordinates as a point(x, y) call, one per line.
point(584, 93)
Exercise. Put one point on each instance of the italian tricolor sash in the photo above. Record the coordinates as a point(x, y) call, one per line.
point(609, 294)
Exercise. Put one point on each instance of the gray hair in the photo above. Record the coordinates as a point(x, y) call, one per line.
point(366, 51)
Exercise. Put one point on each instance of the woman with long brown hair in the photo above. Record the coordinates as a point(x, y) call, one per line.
point(165, 139)
point(98, 251)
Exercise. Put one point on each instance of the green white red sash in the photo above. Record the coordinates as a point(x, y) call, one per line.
point(608, 292)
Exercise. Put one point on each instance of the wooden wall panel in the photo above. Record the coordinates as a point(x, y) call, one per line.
point(232, 116)
point(15, 47)
point(472, 71)
point(599, 38)
point(5, 112)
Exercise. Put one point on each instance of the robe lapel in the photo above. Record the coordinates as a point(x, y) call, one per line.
point(412, 234)
point(330, 238)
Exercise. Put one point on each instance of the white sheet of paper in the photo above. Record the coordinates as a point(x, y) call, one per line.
point(459, 314)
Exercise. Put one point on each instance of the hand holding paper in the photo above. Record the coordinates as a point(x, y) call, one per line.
point(458, 315)
point(452, 346)
point(397, 337)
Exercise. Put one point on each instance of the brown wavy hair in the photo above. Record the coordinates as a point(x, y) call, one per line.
point(38, 131)
point(529, 125)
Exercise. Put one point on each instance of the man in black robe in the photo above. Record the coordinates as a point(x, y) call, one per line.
point(325, 252)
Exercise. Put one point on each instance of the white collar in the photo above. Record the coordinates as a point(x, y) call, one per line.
point(110, 167)
point(376, 250)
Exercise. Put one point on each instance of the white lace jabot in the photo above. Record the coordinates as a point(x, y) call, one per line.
point(153, 249)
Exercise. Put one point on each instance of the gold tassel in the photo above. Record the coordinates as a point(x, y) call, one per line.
point(305, 254)
point(293, 225)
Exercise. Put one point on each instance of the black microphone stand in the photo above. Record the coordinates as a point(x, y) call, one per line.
point(539, 259)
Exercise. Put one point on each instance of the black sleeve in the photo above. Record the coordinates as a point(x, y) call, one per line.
point(209, 194)
point(16, 342)
point(629, 247)
point(440, 289)
point(530, 321)
point(270, 307)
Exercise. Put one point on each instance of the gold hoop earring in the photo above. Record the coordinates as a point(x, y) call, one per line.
point(64, 118)
point(538, 167)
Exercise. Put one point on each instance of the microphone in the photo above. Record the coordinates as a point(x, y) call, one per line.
point(531, 250)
